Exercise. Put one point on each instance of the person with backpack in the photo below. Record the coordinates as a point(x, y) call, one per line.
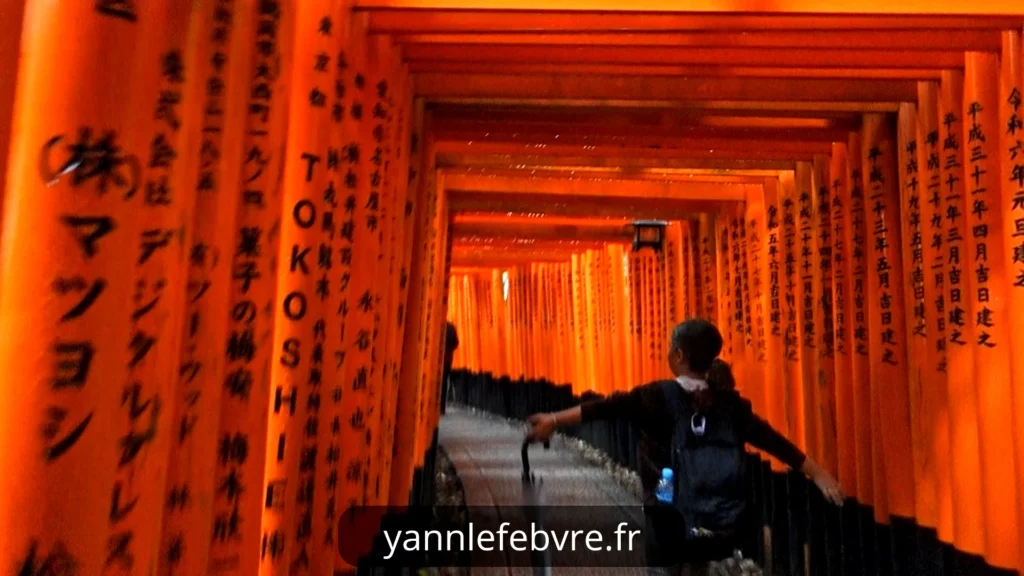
point(692, 432)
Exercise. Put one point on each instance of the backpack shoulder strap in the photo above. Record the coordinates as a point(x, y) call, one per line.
point(673, 397)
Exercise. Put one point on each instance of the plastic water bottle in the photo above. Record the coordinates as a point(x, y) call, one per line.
point(665, 488)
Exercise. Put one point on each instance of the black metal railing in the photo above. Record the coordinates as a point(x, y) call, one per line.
point(791, 527)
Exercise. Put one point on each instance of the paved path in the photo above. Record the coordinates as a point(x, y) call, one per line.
point(486, 454)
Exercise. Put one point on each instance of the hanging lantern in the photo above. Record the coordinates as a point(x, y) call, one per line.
point(648, 234)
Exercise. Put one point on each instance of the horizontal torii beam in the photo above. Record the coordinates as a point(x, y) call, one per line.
point(695, 115)
point(722, 149)
point(563, 205)
point(684, 55)
point(539, 159)
point(482, 231)
point(660, 88)
point(625, 135)
point(602, 188)
point(627, 174)
point(476, 16)
point(919, 40)
point(689, 70)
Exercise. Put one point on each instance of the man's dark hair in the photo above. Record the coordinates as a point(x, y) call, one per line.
point(700, 342)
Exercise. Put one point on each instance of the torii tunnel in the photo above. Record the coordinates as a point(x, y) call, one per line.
point(233, 232)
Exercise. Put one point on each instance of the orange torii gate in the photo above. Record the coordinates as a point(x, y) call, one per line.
point(233, 232)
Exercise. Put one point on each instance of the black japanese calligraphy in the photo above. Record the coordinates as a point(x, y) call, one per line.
point(52, 428)
point(101, 160)
point(58, 561)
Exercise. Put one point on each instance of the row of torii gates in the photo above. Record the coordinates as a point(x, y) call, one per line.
point(229, 226)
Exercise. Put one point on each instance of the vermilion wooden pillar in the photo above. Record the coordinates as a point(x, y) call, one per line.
point(388, 154)
point(493, 353)
point(741, 304)
point(886, 322)
point(435, 321)
point(500, 327)
point(513, 350)
point(1011, 201)
point(402, 209)
point(913, 278)
point(934, 395)
point(609, 344)
point(675, 291)
point(532, 319)
point(515, 320)
point(160, 279)
point(989, 285)
point(333, 271)
point(708, 264)
point(855, 236)
point(552, 355)
point(775, 310)
point(761, 369)
point(157, 290)
point(361, 201)
point(645, 308)
point(842, 301)
point(629, 320)
point(10, 50)
point(635, 337)
point(647, 311)
point(409, 391)
point(806, 247)
point(790, 277)
point(480, 300)
point(618, 314)
point(637, 296)
point(249, 352)
point(691, 246)
point(431, 347)
point(726, 285)
point(214, 176)
point(963, 426)
point(824, 322)
point(75, 172)
point(656, 303)
point(684, 300)
point(301, 328)
point(588, 303)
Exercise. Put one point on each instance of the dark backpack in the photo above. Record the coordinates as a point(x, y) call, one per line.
point(709, 469)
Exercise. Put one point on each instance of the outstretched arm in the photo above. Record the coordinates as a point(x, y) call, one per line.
point(542, 426)
point(824, 481)
point(761, 435)
point(626, 405)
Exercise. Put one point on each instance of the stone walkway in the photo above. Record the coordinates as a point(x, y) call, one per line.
point(486, 454)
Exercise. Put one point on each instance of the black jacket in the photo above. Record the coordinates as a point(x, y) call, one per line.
point(647, 409)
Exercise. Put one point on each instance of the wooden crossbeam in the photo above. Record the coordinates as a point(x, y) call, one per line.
point(674, 117)
point(660, 88)
point(628, 174)
point(694, 56)
point(647, 189)
point(582, 207)
point(642, 135)
point(688, 70)
point(468, 232)
point(907, 40)
point(477, 16)
point(736, 150)
point(528, 160)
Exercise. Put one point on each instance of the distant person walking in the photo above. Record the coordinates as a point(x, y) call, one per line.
point(451, 344)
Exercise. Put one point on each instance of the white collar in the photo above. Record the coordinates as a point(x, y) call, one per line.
point(691, 384)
